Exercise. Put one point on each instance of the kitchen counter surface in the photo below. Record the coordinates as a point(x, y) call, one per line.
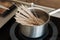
point(3, 20)
point(49, 3)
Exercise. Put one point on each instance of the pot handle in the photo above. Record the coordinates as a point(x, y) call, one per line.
point(55, 11)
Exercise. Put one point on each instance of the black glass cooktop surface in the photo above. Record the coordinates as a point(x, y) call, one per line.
point(11, 31)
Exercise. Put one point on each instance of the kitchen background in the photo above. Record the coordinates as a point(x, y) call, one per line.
point(9, 20)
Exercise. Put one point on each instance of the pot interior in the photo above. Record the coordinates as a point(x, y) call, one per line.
point(41, 14)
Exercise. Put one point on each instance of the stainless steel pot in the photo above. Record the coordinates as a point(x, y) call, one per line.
point(38, 30)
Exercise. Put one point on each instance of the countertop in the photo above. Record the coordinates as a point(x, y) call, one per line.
point(4, 20)
point(49, 3)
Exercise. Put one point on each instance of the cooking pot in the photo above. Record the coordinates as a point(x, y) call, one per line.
point(37, 30)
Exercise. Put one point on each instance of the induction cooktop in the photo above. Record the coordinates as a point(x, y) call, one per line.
point(52, 32)
point(10, 31)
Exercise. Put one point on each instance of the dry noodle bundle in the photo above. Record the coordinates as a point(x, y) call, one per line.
point(26, 17)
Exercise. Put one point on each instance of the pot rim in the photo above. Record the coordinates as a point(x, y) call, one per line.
point(43, 11)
